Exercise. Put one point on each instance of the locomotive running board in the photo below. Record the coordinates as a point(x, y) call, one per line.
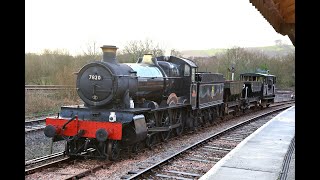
point(161, 129)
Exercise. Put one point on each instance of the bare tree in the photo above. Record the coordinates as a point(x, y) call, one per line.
point(136, 49)
point(175, 53)
point(92, 49)
point(278, 42)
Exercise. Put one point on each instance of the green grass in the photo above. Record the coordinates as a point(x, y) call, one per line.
point(40, 103)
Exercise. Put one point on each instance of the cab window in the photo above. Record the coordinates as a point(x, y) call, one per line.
point(193, 75)
point(186, 70)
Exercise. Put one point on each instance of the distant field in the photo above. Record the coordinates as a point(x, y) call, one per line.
point(268, 50)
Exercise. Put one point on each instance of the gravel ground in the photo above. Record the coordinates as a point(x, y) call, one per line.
point(37, 145)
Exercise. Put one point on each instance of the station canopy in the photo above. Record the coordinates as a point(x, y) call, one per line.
point(280, 14)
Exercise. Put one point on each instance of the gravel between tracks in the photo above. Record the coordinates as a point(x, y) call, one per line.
point(37, 145)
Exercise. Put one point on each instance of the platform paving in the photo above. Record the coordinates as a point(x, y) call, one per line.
point(261, 156)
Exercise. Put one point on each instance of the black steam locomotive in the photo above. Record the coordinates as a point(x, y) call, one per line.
point(126, 104)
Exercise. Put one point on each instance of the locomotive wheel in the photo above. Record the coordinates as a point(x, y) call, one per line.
point(256, 105)
point(172, 99)
point(73, 146)
point(113, 150)
point(207, 117)
point(67, 148)
point(165, 135)
point(150, 140)
point(235, 112)
point(178, 119)
point(195, 124)
point(165, 122)
point(214, 116)
point(135, 148)
point(211, 117)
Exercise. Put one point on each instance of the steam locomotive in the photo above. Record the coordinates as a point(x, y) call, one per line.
point(129, 104)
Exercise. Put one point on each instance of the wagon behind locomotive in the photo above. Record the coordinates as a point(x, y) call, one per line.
point(232, 97)
point(259, 88)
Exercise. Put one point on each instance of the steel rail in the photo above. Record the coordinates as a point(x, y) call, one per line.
point(43, 158)
point(49, 87)
point(47, 165)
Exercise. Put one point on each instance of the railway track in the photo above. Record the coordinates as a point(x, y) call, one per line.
point(45, 162)
point(51, 160)
point(44, 158)
point(34, 124)
point(101, 165)
point(30, 118)
point(48, 87)
point(84, 166)
point(194, 161)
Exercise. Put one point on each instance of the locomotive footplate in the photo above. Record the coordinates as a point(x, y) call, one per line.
point(70, 128)
point(115, 125)
point(85, 113)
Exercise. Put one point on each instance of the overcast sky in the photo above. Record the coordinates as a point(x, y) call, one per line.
point(178, 24)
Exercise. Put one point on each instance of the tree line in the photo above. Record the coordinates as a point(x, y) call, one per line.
point(59, 67)
point(282, 66)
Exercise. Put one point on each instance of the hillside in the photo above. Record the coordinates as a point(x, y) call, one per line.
point(268, 50)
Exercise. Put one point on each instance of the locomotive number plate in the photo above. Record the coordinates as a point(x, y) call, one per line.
point(94, 77)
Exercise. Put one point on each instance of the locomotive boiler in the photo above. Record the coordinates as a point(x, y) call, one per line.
point(110, 84)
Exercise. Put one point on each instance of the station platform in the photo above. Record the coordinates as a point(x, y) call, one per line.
point(266, 154)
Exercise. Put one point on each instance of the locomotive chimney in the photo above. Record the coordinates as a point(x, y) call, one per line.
point(109, 54)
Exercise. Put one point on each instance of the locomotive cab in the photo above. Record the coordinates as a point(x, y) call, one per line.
point(181, 73)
